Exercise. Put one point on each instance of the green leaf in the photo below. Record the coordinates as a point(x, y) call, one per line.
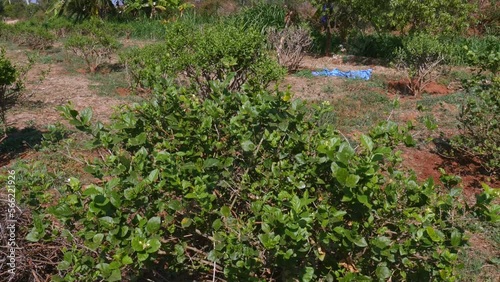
point(345, 153)
point(225, 211)
point(363, 199)
point(266, 241)
point(367, 142)
point(153, 224)
point(383, 272)
point(342, 174)
point(456, 238)
point(142, 256)
point(153, 175)
point(247, 145)
point(186, 222)
point(86, 115)
point(33, 236)
point(175, 205)
point(308, 274)
point(138, 140)
point(106, 222)
point(63, 265)
point(381, 242)
point(116, 275)
point(217, 224)
point(153, 245)
point(352, 180)
point(98, 238)
point(130, 193)
point(210, 163)
point(138, 244)
point(435, 235)
point(360, 242)
point(126, 260)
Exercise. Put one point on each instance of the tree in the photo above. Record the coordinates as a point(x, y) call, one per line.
point(82, 9)
point(405, 16)
point(153, 8)
point(342, 16)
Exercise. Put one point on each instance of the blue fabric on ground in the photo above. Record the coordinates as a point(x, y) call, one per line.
point(360, 74)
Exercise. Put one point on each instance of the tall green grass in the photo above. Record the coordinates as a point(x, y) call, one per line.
point(260, 17)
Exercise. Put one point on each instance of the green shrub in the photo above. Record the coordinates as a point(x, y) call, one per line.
point(61, 26)
point(478, 118)
point(421, 57)
point(215, 52)
point(37, 38)
point(10, 86)
point(374, 45)
point(93, 43)
point(245, 186)
point(456, 53)
point(5, 31)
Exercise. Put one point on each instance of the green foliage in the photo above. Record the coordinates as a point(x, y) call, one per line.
point(142, 29)
point(156, 8)
point(374, 45)
point(430, 16)
point(405, 16)
point(55, 133)
point(260, 17)
point(485, 204)
point(10, 87)
point(246, 182)
point(14, 10)
point(59, 25)
point(93, 43)
point(421, 57)
point(32, 35)
point(478, 118)
point(82, 9)
point(215, 52)
point(480, 45)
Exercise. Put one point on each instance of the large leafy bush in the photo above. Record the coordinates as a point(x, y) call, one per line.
point(197, 56)
point(245, 186)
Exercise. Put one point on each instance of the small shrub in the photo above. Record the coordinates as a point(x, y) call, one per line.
point(380, 46)
point(421, 57)
point(92, 43)
point(10, 89)
point(197, 56)
point(61, 26)
point(290, 44)
point(478, 118)
point(36, 38)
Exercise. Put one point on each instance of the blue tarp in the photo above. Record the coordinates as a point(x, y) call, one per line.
point(360, 74)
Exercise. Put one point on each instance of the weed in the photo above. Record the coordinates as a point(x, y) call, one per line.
point(304, 74)
point(328, 89)
point(106, 84)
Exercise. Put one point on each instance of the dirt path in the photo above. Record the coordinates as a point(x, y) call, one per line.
point(58, 88)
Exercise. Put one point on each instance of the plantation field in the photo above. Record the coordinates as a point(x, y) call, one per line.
point(186, 148)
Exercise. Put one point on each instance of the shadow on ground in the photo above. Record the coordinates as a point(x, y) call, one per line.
point(17, 143)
